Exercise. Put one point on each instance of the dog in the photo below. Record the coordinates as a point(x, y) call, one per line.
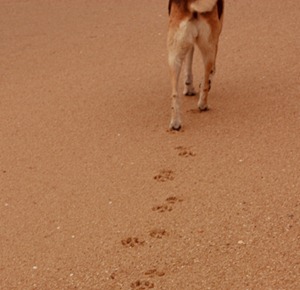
point(192, 22)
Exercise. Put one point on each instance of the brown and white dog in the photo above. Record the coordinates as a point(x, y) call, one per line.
point(192, 22)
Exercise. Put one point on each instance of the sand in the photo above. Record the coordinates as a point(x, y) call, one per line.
point(97, 194)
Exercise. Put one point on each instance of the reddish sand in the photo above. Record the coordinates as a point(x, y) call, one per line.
point(97, 194)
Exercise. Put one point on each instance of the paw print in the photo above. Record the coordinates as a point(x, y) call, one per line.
point(173, 199)
point(142, 285)
point(168, 205)
point(154, 272)
point(132, 242)
point(162, 208)
point(185, 152)
point(164, 175)
point(158, 233)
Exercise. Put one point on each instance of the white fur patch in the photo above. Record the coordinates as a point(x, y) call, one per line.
point(202, 6)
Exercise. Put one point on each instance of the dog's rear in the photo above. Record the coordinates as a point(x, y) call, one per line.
point(192, 22)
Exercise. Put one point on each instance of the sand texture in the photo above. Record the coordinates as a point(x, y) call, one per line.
point(96, 193)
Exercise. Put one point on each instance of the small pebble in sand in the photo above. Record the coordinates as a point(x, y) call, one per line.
point(34, 267)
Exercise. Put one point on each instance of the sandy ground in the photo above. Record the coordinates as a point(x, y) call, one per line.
point(97, 194)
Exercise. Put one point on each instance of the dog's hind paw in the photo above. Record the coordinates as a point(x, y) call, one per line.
point(175, 125)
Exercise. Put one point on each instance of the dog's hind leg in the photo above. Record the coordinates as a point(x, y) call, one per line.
point(180, 43)
point(177, 51)
point(175, 63)
point(209, 52)
point(188, 78)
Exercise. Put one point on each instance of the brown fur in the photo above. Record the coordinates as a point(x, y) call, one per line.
point(192, 22)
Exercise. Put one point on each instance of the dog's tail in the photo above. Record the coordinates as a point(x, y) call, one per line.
point(202, 6)
point(199, 6)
